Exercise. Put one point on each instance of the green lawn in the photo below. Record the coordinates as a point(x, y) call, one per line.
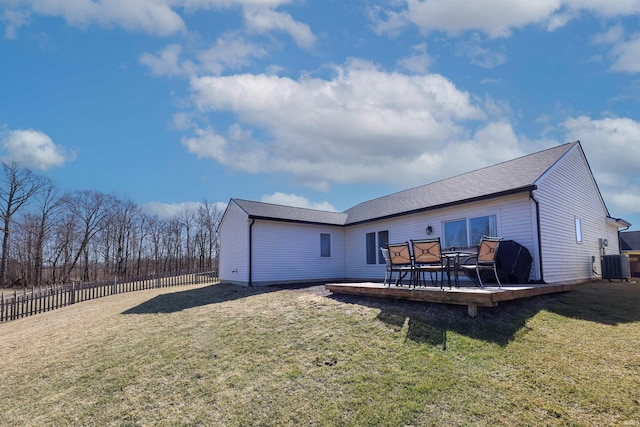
point(223, 355)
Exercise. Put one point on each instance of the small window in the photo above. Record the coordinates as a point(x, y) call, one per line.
point(578, 230)
point(325, 245)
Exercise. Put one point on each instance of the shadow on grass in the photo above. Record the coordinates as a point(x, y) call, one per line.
point(183, 300)
point(601, 302)
point(610, 303)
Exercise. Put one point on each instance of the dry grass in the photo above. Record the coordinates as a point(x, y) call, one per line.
point(222, 355)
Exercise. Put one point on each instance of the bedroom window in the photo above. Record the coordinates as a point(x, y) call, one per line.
point(469, 231)
point(374, 241)
point(325, 245)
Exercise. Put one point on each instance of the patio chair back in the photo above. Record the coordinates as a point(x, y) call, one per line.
point(399, 254)
point(486, 259)
point(427, 251)
point(488, 250)
point(385, 255)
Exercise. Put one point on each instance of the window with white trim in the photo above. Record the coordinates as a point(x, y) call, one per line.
point(374, 241)
point(578, 230)
point(468, 231)
point(325, 245)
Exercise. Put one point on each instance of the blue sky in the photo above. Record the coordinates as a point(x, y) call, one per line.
point(314, 103)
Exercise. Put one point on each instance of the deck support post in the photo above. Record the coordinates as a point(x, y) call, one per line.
point(472, 310)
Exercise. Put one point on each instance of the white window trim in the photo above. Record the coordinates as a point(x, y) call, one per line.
point(330, 246)
point(579, 237)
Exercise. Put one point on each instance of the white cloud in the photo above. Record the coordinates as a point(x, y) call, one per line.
point(167, 62)
point(33, 149)
point(172, 210)
point(613, 35)
point(418, 61)
point(230, 52)
point(263, 20)
point(606, 8)
point(481, 56)
point(158, 17)
point(623, 50)
point(296, 201)
point(495, 18)
point(337, 130)
point(627, 55)
point(238, 149)
point(151, 16)
point(13, 19)
point(611, 143)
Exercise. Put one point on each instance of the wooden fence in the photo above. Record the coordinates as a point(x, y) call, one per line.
point(27, 302)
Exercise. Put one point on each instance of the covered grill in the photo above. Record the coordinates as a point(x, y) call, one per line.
point(513, 263)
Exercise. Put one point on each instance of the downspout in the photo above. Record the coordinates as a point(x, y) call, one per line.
point(253, 220)
point(619, 242)
point(539, 235)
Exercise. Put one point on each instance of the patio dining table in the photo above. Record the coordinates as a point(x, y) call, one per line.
point(453, 256)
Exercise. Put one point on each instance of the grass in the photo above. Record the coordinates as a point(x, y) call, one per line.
point(223, 355)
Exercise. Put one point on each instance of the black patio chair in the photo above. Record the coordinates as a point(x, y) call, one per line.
point(400, 261)
point(485, 260)
point(427, 257)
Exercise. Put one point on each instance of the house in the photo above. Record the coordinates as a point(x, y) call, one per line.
point(630, 245)
point(547, 202)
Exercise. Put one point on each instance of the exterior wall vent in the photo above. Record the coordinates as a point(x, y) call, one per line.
point(615, 267)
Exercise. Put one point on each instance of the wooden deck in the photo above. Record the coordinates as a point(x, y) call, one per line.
point(471, 296)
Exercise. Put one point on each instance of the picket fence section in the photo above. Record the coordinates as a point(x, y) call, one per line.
point(27, 302)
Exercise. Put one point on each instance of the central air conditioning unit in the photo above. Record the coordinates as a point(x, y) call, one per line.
point(615, 267)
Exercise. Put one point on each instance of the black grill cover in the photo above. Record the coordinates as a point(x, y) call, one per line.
point(513, 262)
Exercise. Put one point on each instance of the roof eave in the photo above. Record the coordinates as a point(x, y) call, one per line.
point(509, 192)
point(294, 221)
point(619, 222)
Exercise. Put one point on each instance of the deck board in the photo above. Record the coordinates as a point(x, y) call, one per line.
point(473, 297)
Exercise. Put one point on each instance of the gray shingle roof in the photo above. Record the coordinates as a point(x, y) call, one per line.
point(288, 213)
point(630, 240)
point(507, 177)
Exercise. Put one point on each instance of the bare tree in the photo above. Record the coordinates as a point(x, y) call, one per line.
point(187, 218)
point(49, 201)
point(17, 186)
point(143, 230)
point(60, 251)
point(123, 218)
point(209, 217)
point(90, 210)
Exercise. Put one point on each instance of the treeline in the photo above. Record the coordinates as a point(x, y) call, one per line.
point(51, 236)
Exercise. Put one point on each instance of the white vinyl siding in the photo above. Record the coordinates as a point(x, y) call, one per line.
point(234, 246)
point(285, 252)
point(513, 216)
point(566, 192)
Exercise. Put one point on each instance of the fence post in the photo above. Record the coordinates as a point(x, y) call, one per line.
point(14, 311)
point(73, 293)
